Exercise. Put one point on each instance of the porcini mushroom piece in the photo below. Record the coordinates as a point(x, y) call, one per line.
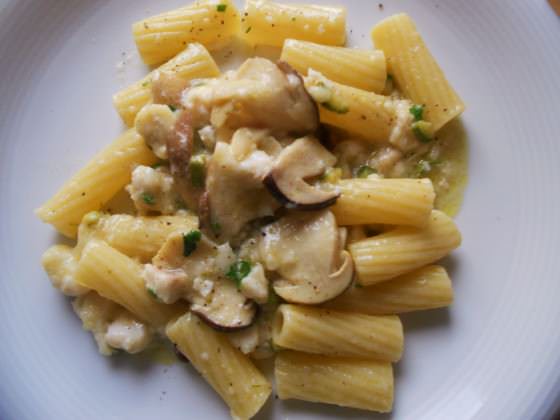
point(286, 181)
point(305, 250)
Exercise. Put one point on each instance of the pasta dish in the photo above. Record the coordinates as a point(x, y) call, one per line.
point(287, 209)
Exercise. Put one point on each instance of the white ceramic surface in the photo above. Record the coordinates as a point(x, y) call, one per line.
point(494, 355)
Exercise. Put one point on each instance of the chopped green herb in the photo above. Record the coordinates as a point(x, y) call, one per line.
point(148, 198)
point(91, 218)
point(216, 228)
point(390, 77)
point(273, 298)
point(422, 130)
point(172, 108)
point(221, 7)
point(423, 167)
point(364, 171)
point(145, 84)
point(159, 163)
point(197, 170)
point(248, 30)
point(335, 106)
point(152, 293)
point(238, 271)
point(190, 241)
point(417, 111)
point(332, 175)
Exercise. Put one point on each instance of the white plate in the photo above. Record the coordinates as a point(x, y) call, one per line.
point(494, 355)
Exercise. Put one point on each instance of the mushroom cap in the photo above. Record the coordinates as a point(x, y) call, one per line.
point(305, 250)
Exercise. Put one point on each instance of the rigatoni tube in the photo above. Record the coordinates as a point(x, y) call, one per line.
point(96, 183)
point(232, 374)
point(269, 23)
point(141, 236)
point(193, 63)
point(403, 249)
point(386, 201)
point(369, 115)
point(323, 331)
point(413, 67)
point(119, 278)
point(363, 69)
point(357, 383)
point(210, 22)
point(426, 288)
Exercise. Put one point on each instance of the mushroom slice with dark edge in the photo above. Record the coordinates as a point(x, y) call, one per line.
point(305, 250)
point(180, 145)
point(286, 181)
point(213, 297)
point(227, 309)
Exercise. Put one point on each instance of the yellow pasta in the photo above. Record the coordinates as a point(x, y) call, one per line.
point(426, 288)
point(415, 70)
point(382, 200)
point(210, 22)
point(404, 249)
point(193, 63)
point(268, 23)
point(364, 113)
point(119, 278)
point(142, 236)
point(363, 69)
point(96, 183)
point(323, 331)
point(357, 383)
point(232, 374)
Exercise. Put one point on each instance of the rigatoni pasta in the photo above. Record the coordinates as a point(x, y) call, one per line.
point(141, 236)
point(404, 249)
point(119, 278)
point(415, 70)
point(386, 201)
point(278, 209)
point(362, 69)
point(232, 375)
point(94, 185)
point(209, 22)
point(426, 288)
point(270, 23)
point(323, 331)
point(193, 63)
point(356, 383)
point(364, 113)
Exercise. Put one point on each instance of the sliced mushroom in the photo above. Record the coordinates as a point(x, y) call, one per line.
point(227, 310)
point(180, 145)
point(260, 94)
point(303, 159)
point(306, 251)
point(235, 191)
point(203, 282)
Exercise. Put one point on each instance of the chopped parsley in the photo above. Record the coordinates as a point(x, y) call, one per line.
point(172, 108)
point(159, 163)
point(197, 170)
point(417, 111)
point(145, 84)
point(152, 292)
point(422, 131)
point(216, 228)
point(364, 171)
point(238, 271)
point(221, 7)
point(335, 107)
point(190, 241)
point(148, 198)
point(423, 167)
point(248, 30)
